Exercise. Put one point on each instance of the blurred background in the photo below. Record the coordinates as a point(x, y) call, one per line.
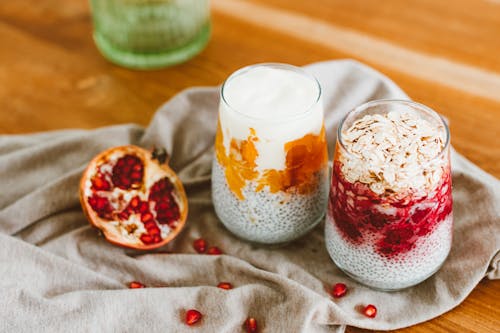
point(443, 54)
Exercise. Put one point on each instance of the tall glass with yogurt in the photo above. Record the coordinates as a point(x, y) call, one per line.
point(389, 220)
point(270, 171)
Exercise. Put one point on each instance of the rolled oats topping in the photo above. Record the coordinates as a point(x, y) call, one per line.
point(393, 152)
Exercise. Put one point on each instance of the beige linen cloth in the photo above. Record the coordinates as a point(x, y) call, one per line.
point(57, 274)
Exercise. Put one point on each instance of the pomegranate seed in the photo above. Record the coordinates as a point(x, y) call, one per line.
point(339, 290)
point(146, 239)
point(146, 217)
point(101, 203)
point(129, 159)
point(150, 225)
point(200, 245)
point(144, 207)
point(125, 182)
point(156, 238)
point(92, 201)
point(134, 203)
point(225, 285)
point(154, 231)
point(214, 250)
point(100, 184)
point(193, 316)
point(136, 175)
point(161, 206)
point(124, 215)
point(136, 285)
point(153, 189)
point(251, 325)
point(162, 184)
point(370, 311)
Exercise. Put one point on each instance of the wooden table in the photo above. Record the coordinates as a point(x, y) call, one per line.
point(443, 54)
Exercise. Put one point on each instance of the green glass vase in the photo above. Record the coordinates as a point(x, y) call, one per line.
point(149, 34)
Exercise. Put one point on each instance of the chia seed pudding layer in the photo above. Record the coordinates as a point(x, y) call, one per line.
point(363, 263)
point(265, 217)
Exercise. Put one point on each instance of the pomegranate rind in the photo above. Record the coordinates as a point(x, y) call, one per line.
point(151, 166)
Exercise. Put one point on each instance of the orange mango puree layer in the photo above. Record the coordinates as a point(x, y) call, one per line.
point(305, 157)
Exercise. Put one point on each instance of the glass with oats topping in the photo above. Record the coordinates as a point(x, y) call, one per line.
point(270, 171)
point(389, 217)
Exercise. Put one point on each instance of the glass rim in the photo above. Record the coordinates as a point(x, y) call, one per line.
point(283, 66)
point(388, 101)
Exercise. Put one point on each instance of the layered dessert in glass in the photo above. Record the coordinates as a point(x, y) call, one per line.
point(389, 218)
point(270, 171)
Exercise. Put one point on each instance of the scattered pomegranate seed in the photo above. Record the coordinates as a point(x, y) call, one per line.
point(193, 316)
point(200, 245)
point(339, 290)
point(370, 311)
point(225, 285)
point(214, 250)
point(251, 325)
point(136, 285)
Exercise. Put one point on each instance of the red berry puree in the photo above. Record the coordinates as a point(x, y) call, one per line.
point(394, 223)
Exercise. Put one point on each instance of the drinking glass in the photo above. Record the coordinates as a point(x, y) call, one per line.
point(389, 217)
point(146, 34)
point(270, 170)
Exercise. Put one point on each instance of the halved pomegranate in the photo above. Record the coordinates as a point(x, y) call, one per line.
point(133, 197)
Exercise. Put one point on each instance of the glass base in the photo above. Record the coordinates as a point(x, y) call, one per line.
point(133, 60)
point(363, 264)
point(283, 240)
point(363, 281)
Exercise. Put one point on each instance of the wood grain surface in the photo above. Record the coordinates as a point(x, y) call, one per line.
point(443, 54)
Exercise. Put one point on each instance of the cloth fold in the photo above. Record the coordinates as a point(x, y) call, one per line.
point(59, 274)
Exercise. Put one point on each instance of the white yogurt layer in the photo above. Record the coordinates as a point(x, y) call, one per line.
point(279, 103)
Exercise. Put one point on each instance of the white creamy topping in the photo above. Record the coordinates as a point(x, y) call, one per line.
point(271, 98)
point(270, 93)
point(393, 152)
